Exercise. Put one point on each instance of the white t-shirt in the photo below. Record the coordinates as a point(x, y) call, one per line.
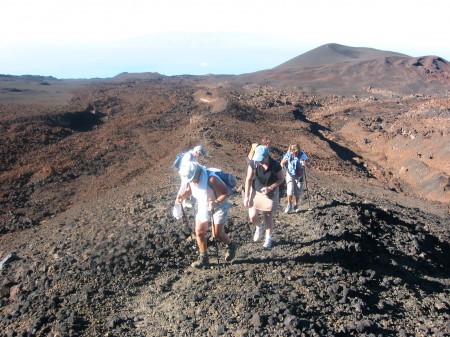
point(188, 156)
point(203, 192)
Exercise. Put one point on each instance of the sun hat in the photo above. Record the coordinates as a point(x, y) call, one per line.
point(261, 152)
point(187, 171)
point(200, 150)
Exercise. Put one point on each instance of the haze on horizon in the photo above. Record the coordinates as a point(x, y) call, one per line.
point(99, 38)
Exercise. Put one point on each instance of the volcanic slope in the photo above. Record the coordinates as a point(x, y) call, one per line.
point(93, 249)
point(365, 72)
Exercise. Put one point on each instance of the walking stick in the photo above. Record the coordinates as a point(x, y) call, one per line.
point(307, 192)
point(215, 239)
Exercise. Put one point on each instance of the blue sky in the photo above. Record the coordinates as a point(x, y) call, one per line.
point(102, 38)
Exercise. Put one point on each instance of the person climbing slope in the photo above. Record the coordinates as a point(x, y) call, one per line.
point(261, 194)
point(212, 195)
point(294, 163)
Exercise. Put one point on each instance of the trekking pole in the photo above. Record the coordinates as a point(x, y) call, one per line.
point(307, 192)
point(215, 239)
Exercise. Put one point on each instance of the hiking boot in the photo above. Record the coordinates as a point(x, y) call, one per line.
point(231, 251)
point(288, 208)
point(268, 242)
point(258, 233)
point(296, 209)
point(202, 262)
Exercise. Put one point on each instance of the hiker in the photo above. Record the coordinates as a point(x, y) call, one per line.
point(190, 156)
point(265, 140)
point(211, 194)
point(294, 163)
point(193, 155)
point(261, 194)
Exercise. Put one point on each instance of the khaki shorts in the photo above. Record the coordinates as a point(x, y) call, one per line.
point(263, 203)
point(220, 214)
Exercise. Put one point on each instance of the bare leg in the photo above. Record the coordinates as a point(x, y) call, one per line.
point(268, 220)
point(253, 214)
point(200, 231)
point(220, 234)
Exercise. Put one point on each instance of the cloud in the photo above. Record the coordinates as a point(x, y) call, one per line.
point(207, 64)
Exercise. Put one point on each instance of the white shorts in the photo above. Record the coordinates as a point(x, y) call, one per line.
point(294, 185)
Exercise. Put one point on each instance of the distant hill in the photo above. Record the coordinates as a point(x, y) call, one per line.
point(135, 76)
point(342, 70)
point(334, 53)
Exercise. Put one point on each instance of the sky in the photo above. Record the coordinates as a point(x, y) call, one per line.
point(102, 38)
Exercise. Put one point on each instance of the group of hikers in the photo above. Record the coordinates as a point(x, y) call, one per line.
point(260, 196)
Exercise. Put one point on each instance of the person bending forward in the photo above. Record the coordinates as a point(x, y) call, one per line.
point(212, 195)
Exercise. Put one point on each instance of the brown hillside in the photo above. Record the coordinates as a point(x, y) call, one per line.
point(382, 77)
point(333, 53)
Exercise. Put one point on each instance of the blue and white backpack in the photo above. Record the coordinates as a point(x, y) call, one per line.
point(228, 179)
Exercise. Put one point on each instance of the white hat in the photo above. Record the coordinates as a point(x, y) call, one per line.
point(187, 171)
point(200, 150)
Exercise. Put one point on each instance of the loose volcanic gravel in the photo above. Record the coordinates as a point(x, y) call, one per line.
point(350, 266)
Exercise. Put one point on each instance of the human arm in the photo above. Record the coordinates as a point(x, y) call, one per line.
point(183, 193)
point(248, 182)
point(284, 162)
point(220, 190)
point(305, 160)
point(280, 176)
